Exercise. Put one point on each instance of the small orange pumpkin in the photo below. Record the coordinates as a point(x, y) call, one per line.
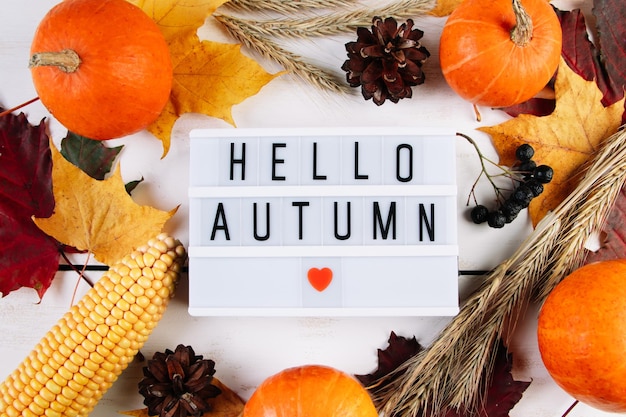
point(581, 334)
point(499, 53)
point(310, 391)
point(101, 67)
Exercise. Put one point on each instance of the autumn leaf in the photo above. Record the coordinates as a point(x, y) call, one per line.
point(28, 257)
point(444, 7)
point(92, 156)
point(613, 236)
point(503, 393)
point(565, 140)
point(178, 16)
point(98, 216)
point(227, 404)
point(399, 350)
point(209, 78)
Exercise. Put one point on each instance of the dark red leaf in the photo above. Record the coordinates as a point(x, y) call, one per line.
point(25, 166)
point(503, 393)
point(613, 239)
point(611, 23)
point(399, 350)
point(28, 257)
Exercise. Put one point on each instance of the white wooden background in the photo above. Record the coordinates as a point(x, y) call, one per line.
point(247, 350)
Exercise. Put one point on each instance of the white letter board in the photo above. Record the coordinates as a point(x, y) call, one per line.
point(322, 222)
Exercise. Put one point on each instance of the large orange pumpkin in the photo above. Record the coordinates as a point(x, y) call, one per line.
point(310, 391)
point(582, 335)
point(500, 53)
point(101, 67)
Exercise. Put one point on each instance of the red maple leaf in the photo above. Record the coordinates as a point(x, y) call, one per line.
point(28, 257)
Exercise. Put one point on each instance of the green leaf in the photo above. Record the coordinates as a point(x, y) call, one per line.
point(91, 156)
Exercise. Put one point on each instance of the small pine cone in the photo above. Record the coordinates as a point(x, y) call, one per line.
point(387, 61)
point(178, 384)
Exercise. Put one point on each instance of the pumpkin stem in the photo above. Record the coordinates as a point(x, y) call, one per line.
point(522, 33)
point(67, 60)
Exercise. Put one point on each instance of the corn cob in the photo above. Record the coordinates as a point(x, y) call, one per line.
point(83, 354)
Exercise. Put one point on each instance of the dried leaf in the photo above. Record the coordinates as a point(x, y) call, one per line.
point(565, 140)
point(613, 238)
point(209, 78)
point(503, 393)
point(398, 351)
point(28, 257)
point(227, 404)
point(98, 216)
point(176, 16)
point(444, 7)
point(92, 156)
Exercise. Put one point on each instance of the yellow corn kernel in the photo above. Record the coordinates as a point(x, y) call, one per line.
point(115, 278)
point(123, 305)
point(71, 366)
point(136, 290)
point(129, 298)
point(113, 296)
point(50, 412)
point(122, 269)
point(46, 395)
point(11, 411)
point(127, 281)
point(136, 309)
point(36, 407)
point(97, 318)
point(135, 273)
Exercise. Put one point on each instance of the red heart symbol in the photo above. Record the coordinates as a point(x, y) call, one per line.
point(320, 278)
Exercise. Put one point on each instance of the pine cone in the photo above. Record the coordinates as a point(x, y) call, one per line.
point(387, 61)
point(178, 384)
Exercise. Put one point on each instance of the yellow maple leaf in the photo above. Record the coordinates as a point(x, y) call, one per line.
point(176, 16)
point(226, 404)
point(98, 216)
point(209, 78)
point(444, 7)
point(565, 140)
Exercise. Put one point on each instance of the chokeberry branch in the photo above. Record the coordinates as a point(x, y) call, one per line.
point(483, 171)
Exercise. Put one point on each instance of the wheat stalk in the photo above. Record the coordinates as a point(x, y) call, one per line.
point(335, 23)
point(288, 60)
point(454, 370)
point(285, 6)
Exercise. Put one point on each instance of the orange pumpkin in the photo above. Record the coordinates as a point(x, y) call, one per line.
point(101, 67)
point(582, 334)
point(310, 391)
point(497, 53)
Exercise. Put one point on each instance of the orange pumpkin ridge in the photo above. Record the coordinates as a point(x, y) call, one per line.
point(482, 62)
point(124, 77)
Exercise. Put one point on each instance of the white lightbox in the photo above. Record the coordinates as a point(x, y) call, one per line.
point(320, 222)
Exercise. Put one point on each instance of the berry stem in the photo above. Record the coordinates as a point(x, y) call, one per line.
point(484, 171)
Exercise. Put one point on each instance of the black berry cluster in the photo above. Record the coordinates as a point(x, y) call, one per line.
point(529, 179)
